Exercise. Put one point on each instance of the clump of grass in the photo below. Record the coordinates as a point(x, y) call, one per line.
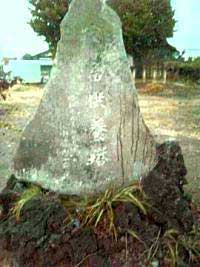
point(191, 244)
point(26, 196)
point(103, 207)
point(177, 244)
point(174, 246)
point(93, 211)
point(170, 244)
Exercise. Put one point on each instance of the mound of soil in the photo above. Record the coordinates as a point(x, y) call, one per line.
point(42, 238)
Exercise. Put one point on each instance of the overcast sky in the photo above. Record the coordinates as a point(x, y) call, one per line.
point(17, 38)
point(187, 29)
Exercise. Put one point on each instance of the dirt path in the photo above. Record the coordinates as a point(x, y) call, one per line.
point(172, 113)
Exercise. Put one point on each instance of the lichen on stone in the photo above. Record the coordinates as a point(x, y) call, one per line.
point(87, 131)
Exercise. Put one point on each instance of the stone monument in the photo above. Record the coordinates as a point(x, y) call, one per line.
point(87, 132)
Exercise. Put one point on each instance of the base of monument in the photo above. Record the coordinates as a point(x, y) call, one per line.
point(40, 236)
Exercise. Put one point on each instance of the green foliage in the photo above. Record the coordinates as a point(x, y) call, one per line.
point(101, 210)
point(146, 24)
point(188, 70)
point(46, 18)
point(191, 244)
point(177, 244)
point(103, 206)
point(27, 195)
point(173, 246)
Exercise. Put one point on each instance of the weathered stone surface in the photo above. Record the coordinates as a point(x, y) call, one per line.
point(88, 131)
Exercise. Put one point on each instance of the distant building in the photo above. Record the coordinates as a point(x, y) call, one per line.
point(43, 55)
point(31, 69)
point(6, 60)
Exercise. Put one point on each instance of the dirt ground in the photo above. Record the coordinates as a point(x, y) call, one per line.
point(172, 112)
point(15, 112)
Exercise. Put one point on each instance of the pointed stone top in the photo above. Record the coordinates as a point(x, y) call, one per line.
point(89, 8)
point(87, 133)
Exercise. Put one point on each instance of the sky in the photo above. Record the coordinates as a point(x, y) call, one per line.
point(17, 37)
point(187, 29)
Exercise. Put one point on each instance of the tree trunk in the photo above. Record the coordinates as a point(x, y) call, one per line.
point(144, 75)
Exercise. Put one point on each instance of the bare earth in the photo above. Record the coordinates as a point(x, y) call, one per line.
point(173, 112)
point(14, 114)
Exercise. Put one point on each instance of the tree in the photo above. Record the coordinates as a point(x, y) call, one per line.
point(146, 23)
point(46, 18)
point(146, 26)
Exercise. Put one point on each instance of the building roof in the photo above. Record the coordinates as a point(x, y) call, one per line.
point(44, 54)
